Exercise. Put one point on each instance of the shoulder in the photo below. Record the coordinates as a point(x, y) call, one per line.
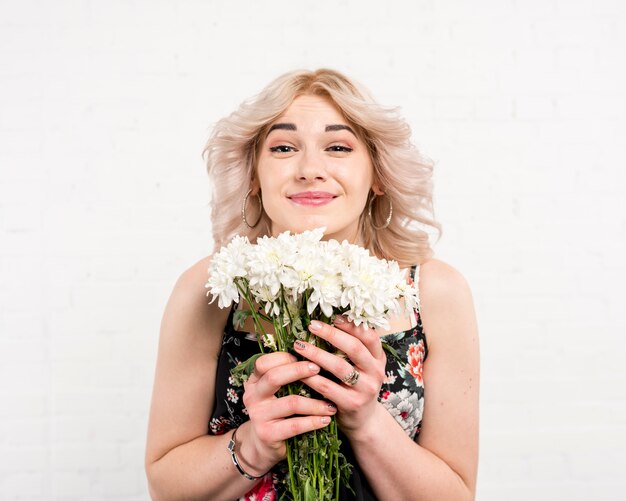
point(440, 279)
point(190, 285)
point(446, 302)
point(189, 292)
point(195, 275)
point(188, 309)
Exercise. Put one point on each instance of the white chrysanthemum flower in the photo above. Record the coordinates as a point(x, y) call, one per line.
point(223, 288)
point(265, 266)
point(326, 292)
point(309, 237)
point(226, 267)
point(365, 290)
point(332, 276)
point(265, 297)
point(372, 288)
point(310, 265)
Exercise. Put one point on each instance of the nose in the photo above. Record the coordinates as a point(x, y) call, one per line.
point(311, 166)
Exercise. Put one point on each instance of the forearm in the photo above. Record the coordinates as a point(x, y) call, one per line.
point(201, 469)
point(398, 468)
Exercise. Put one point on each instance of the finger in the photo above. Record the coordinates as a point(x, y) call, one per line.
point(276, 377)
point(369, 337)
point(269, 361)
point(332, 363)
point(330, 390)
point(296, 404)
point(349, 344)
point(346, 399)
point(287, 428)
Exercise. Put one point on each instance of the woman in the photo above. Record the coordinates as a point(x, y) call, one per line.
point(314, 150)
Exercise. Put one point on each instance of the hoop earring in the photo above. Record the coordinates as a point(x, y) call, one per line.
point(387, 221)
point(244, 206)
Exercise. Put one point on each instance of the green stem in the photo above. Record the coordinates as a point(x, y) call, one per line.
point(285, 306)
point(331, 460)
point(336, 453)
point(314, 472)
point(290, 464)
point(255, 315)
point(306, 308)
point(320, 470)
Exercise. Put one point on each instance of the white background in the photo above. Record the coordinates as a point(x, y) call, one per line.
point(104, 110)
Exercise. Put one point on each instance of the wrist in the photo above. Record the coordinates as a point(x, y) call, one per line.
point(369, 430)
point(250, 457)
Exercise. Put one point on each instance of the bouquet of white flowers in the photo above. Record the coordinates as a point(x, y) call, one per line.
point(288, 281)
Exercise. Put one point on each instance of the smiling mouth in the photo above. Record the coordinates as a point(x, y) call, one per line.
point(313, 194)
point(312, 198)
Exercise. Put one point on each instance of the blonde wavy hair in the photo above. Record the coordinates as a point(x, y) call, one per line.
point(402, 172)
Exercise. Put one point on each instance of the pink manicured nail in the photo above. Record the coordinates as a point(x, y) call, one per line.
point(314, 367)
point(315, 325)
point(325, 419)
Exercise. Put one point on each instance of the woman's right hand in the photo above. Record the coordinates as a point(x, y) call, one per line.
point(274, 419)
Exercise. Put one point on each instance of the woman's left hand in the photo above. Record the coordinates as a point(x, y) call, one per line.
point(355, 402)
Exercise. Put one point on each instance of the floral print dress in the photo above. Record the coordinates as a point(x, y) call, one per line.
point(402, 394)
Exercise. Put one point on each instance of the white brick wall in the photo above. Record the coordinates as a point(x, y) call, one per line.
point(104, 109)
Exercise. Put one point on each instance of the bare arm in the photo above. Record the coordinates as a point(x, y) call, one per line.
point(182, 460)
point(443, 463)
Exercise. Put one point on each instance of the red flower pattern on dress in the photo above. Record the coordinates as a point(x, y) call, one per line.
point(218, 425)
point(415, 363)
point(263, 491)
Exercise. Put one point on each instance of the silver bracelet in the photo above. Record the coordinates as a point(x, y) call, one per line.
point(233, 456)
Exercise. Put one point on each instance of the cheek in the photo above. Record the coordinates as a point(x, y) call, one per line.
point(266, 177)
point(270, 185)
point(358, 175)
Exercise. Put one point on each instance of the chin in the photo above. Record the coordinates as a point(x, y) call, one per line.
point(312, 223)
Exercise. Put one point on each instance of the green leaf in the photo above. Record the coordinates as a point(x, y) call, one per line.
point(309, 491)
point(241, 372)
point(393, 353)
point(240, 317)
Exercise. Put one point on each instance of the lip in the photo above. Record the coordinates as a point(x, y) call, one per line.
point(312, 198)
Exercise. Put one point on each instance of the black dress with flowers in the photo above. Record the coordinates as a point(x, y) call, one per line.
point(402, 394)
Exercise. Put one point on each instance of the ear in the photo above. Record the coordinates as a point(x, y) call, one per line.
point(254, 186)
point(376, 189)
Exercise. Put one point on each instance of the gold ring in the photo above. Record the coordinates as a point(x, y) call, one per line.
point(351, 378)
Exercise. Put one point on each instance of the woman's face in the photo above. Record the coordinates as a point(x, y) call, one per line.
point(313, 171)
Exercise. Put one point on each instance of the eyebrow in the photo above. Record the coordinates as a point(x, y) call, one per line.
point(329, 128)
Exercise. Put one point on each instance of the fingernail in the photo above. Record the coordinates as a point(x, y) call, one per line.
point(314, 367)
point(299, 345)
point(315, 325)
point(340, 320)
point(332, 407)
point(326, 419)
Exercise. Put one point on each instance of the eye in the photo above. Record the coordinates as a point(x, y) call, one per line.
point(338, 148)
point(283, 148)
